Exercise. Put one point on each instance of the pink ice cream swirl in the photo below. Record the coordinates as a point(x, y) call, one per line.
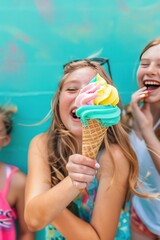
point(87, 95)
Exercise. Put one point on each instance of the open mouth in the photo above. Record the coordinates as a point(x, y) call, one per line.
point(151, 85)
point(73, 113)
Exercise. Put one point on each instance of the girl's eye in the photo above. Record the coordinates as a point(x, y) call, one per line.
point(144, 64)
point(72, 89)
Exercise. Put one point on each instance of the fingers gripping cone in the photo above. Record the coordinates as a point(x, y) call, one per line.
point(92, 137)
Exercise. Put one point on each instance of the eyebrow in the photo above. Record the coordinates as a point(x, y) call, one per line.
point(146, 59)
point(70, 82)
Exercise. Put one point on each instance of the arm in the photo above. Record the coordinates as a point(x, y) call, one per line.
point(143, 118)
point(108, 202)
point(153, 145)
point(18, 184)
point(40, 201)
point(72, 227)
point(39, 196)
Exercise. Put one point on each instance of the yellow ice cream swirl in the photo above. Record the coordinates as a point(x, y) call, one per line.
point(107, 94)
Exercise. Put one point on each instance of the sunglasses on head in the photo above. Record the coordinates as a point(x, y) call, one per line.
point(99, 60)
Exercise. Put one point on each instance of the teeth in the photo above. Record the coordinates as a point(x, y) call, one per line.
point(73, 111)
point(151, 83)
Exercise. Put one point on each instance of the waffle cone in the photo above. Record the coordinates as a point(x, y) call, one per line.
point(92, 137)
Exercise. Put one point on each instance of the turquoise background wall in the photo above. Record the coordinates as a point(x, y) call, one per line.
point(38, 36)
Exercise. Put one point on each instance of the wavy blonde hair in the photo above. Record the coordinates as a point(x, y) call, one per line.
point(5, 115)
point(61, 143)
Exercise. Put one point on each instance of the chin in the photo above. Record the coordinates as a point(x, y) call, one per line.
point(150, 100)
point(76, 132)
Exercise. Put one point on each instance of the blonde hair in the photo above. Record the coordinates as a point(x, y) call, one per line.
point(61, 143)
point(5, 114)
point(153, 43)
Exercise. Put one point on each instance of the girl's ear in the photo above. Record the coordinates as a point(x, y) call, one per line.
point(6, 140)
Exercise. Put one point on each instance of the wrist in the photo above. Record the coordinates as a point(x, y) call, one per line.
point(78, 186)
point(147, 134)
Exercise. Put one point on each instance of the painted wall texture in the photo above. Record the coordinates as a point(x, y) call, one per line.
point(38, 36)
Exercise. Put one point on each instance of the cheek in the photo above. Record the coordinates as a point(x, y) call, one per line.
point(64, 104)
point(140, 75)
point(62, 107)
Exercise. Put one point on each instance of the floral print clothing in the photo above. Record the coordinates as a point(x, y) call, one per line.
point(83, 206)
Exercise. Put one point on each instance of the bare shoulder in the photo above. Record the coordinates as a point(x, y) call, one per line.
point(121, 161)
point(39, 140)
point(118, 163)
point(38, 160)
point(38, 145)
point(18, 180)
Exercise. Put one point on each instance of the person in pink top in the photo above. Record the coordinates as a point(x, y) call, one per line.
point(12, 185)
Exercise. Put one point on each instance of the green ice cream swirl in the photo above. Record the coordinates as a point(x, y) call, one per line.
point(106, 115)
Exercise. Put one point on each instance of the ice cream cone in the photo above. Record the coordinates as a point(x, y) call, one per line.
point(92, 137)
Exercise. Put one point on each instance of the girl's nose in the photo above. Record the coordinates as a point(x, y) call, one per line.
point(152, 70)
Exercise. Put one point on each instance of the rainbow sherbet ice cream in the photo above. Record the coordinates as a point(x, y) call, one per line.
point(97, 110)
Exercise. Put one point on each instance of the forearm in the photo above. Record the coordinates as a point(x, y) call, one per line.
point(72, 227)
point(103, 224)
point(26, 235)
point(44, 208)
point(153, 145)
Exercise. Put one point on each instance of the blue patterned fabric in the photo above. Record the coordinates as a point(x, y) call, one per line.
point(83, 207)
point(123, 231)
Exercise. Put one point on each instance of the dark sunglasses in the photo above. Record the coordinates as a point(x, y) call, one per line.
point(99, 60)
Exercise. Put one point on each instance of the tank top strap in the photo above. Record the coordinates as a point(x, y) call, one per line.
point(157, 124)
point(10, 170)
